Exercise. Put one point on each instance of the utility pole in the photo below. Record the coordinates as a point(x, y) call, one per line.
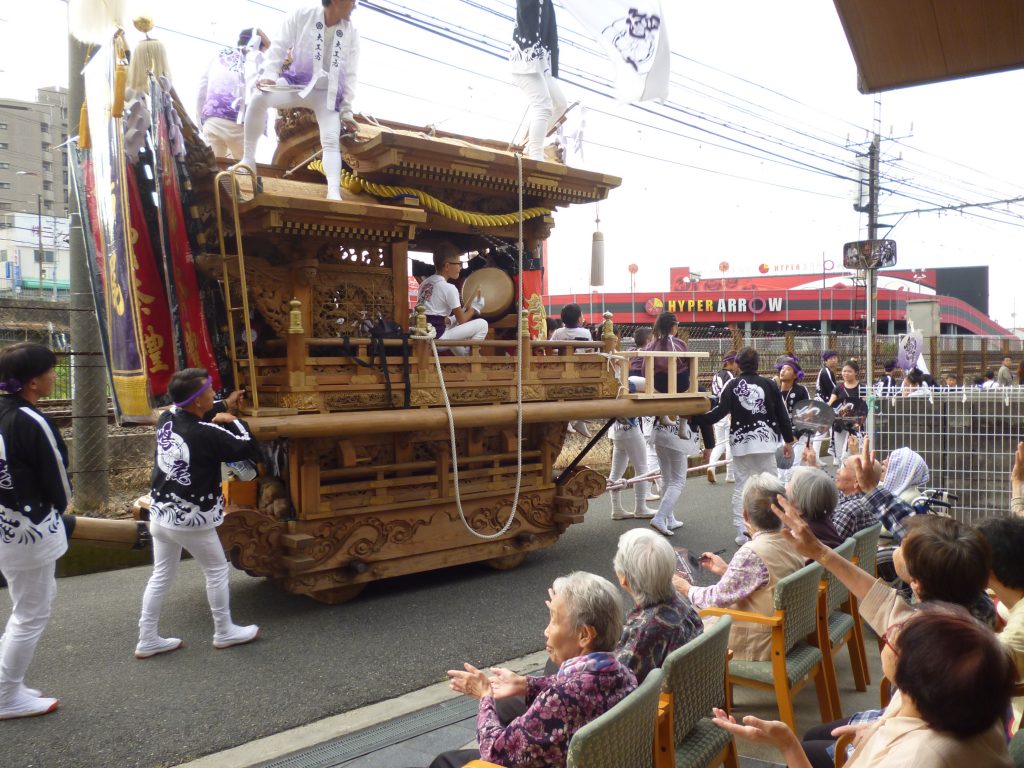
point(869, 283)
point(39, 230)
point(90, 452)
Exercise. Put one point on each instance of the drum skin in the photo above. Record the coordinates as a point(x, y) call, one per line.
point(497, 288)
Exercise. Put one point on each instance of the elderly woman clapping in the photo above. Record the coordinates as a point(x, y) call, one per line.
point(585, 621)
point(661, 619)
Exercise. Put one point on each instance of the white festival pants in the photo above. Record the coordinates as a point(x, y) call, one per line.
point(673, 480)
point(474, 330)
point(722, 446)
point(328, 120)
point(32, 591)
point(547, 104)
point(629, 447)
point(205, 547)
point(225, 137)
point(746, 467)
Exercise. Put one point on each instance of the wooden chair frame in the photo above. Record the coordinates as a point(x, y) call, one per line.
point(783, 693)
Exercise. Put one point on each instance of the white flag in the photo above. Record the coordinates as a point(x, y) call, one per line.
point(633, 34)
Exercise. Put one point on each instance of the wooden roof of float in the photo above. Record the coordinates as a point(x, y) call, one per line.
point(293, 207)
point(912, 42)
point(404, 155)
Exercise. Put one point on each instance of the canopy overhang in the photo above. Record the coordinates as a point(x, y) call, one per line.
point(899, 43)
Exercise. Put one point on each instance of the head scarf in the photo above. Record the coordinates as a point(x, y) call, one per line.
point(906, 469)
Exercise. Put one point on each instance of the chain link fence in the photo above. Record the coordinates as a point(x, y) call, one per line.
point(968, 437)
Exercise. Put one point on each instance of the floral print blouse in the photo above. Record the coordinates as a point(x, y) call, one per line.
point(583, 689)
point(651, 633)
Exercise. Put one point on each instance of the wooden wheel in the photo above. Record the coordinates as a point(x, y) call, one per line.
point(508, 562)
point(339, 595)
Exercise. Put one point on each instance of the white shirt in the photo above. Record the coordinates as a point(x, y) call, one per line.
point(438, 296)
point(299, 35)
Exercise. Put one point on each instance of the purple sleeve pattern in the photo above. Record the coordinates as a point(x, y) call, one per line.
point(746, 574)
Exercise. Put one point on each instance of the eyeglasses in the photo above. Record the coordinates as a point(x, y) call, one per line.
point(889, 635)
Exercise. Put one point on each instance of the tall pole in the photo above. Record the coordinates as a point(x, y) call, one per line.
point(39, 231)
point(869, 283)
point(53, 244)
point(90, 451)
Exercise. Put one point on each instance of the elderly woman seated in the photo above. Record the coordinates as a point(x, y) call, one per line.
point(585, 621)
point(748, 582)
point(955, 681)
point(660, 621)
point(814, 494)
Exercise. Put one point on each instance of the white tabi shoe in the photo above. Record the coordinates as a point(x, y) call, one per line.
point(27, 706)
point(622, 515)
point(660, 527)
point(236, 636)
point(646, 514)
point(674, 524)
point(155, 647)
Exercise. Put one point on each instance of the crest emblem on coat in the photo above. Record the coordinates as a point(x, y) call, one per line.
point(172, 455)
point(750, 396)
point(635, 37)
point(6, 483)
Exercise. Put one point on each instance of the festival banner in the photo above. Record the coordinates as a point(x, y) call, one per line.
point(113, 246)
point(178, 263)
point(633, 35)
point(153, 310)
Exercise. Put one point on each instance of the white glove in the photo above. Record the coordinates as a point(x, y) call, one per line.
point(478, 303)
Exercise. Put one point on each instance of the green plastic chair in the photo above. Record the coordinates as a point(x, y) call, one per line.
point(1017, 749)
point(836, 628)
point(695, 681)
point(624, 735)
point(865, 555)
point(866, 550)
point(794, 662)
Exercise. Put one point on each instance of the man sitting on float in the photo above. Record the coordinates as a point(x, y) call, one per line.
point(324, 47)
point(440, 298)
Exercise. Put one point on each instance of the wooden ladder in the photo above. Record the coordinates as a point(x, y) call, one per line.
point(234, 307)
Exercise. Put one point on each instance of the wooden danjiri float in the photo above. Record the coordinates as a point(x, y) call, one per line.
point(359, 416)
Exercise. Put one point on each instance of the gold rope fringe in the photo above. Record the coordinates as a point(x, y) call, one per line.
point(355, 184)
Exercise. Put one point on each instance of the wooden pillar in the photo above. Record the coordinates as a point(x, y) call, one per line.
point(296, 346)
point(400, 281)
point(960, 359)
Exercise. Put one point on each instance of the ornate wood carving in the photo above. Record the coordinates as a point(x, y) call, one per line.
point(252, 541)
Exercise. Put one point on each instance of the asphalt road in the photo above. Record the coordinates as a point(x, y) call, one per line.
point(312, 660)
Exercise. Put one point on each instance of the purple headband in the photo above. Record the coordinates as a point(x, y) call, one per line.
point(729, 359)
point(792, 364)
point(192, 399)
point(828, 355)
point(10, 386)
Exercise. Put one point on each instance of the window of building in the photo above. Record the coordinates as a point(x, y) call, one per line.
point(47, 256)
point(4, 166)
point(44, 127)
point(47, 204)
point(47, 165)
point(5, 185)
point(3, 126)
point(3, 255)
point(3, 145)
point(5, 206)
point(48, 186)
point(45, 146)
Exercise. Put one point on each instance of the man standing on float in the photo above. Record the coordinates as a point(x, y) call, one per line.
point(324, 46)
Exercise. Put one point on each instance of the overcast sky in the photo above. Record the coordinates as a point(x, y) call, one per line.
point(776, 76)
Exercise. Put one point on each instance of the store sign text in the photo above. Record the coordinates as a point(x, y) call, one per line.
point(755, 305)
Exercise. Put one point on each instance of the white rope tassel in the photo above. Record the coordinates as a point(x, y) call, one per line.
point(520, 351)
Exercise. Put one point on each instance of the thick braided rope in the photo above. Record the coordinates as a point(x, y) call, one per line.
point(355, 184)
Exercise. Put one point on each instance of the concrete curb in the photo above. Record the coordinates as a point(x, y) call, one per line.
point(307, 736)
